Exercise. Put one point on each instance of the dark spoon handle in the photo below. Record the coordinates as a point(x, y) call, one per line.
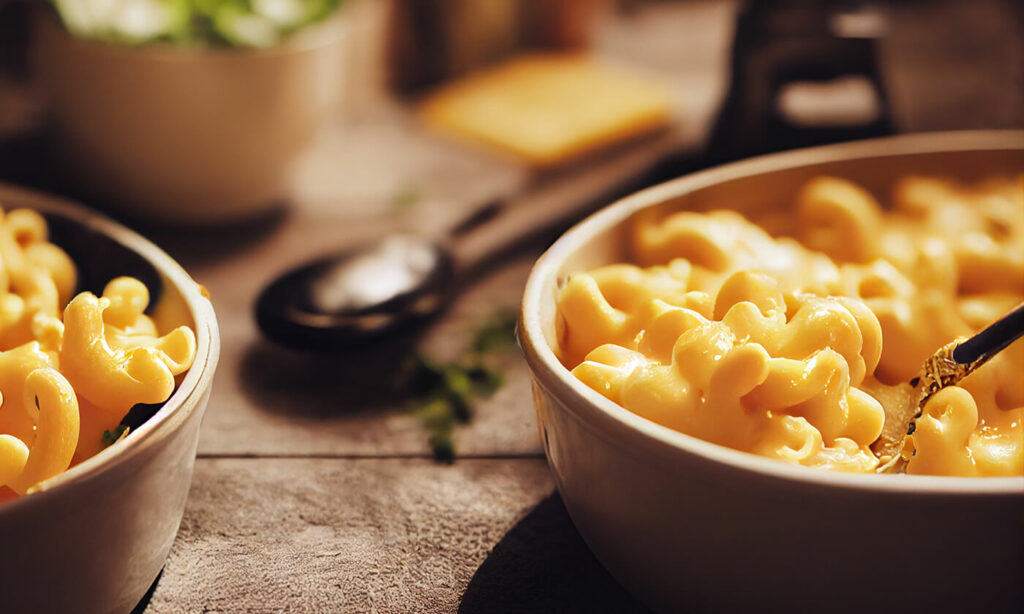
point(551, 205)
point(993, 338)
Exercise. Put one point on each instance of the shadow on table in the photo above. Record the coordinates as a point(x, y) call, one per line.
point(543, 565)
point(143, 603)
point(324, 386)
point(194, 246)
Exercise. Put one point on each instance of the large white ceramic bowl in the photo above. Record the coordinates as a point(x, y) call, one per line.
point(186, 135)
point(687, 525)
point(95, 537)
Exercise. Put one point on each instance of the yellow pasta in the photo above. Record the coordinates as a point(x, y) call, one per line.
point(788, 345)
point(56, 436)
point(70, 369)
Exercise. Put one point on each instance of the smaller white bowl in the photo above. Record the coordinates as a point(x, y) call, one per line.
point(95, 537)
point(186, 135)
point(687, 525)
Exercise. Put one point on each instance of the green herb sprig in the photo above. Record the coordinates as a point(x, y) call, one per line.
point(111, 437)
point(443, 395)
point(406, 198)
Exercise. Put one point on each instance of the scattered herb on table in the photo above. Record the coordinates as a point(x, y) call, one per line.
point(496, 334)
point(443, 395)
point(406, 198)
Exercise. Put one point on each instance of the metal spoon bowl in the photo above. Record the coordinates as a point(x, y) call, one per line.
point(358, 294)
point(946, 367)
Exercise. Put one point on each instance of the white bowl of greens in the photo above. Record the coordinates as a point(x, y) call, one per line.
point(187, 110)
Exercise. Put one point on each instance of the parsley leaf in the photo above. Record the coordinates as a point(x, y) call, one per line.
point(496, 334)
point(110, 437)
point(406, 198)
point(443, 395)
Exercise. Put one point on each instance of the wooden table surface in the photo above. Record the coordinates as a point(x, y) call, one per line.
point(314, 488)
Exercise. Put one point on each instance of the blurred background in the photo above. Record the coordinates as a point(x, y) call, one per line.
point(211, 112)
point(249, 137)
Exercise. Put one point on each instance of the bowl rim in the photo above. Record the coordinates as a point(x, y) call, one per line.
point(622, 427)
point(185, 400)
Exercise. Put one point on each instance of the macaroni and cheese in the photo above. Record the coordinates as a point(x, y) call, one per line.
point(70, 368)
point(795, 344)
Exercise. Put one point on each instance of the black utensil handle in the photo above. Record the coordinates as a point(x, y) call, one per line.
point(992, 338)
point(550, 205)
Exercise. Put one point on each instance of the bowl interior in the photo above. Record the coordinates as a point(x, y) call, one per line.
point(102, 250)
point(760, 184)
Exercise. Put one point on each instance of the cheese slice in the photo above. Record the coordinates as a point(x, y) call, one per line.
point(548, 108)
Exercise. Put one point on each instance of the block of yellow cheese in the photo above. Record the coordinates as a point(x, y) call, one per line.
point(548, 108)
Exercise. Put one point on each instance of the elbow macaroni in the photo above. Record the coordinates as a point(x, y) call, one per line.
point(789, 345)
point(67, 374)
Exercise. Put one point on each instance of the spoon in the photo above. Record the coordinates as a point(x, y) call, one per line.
point(387, 287)
point(946, 367)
